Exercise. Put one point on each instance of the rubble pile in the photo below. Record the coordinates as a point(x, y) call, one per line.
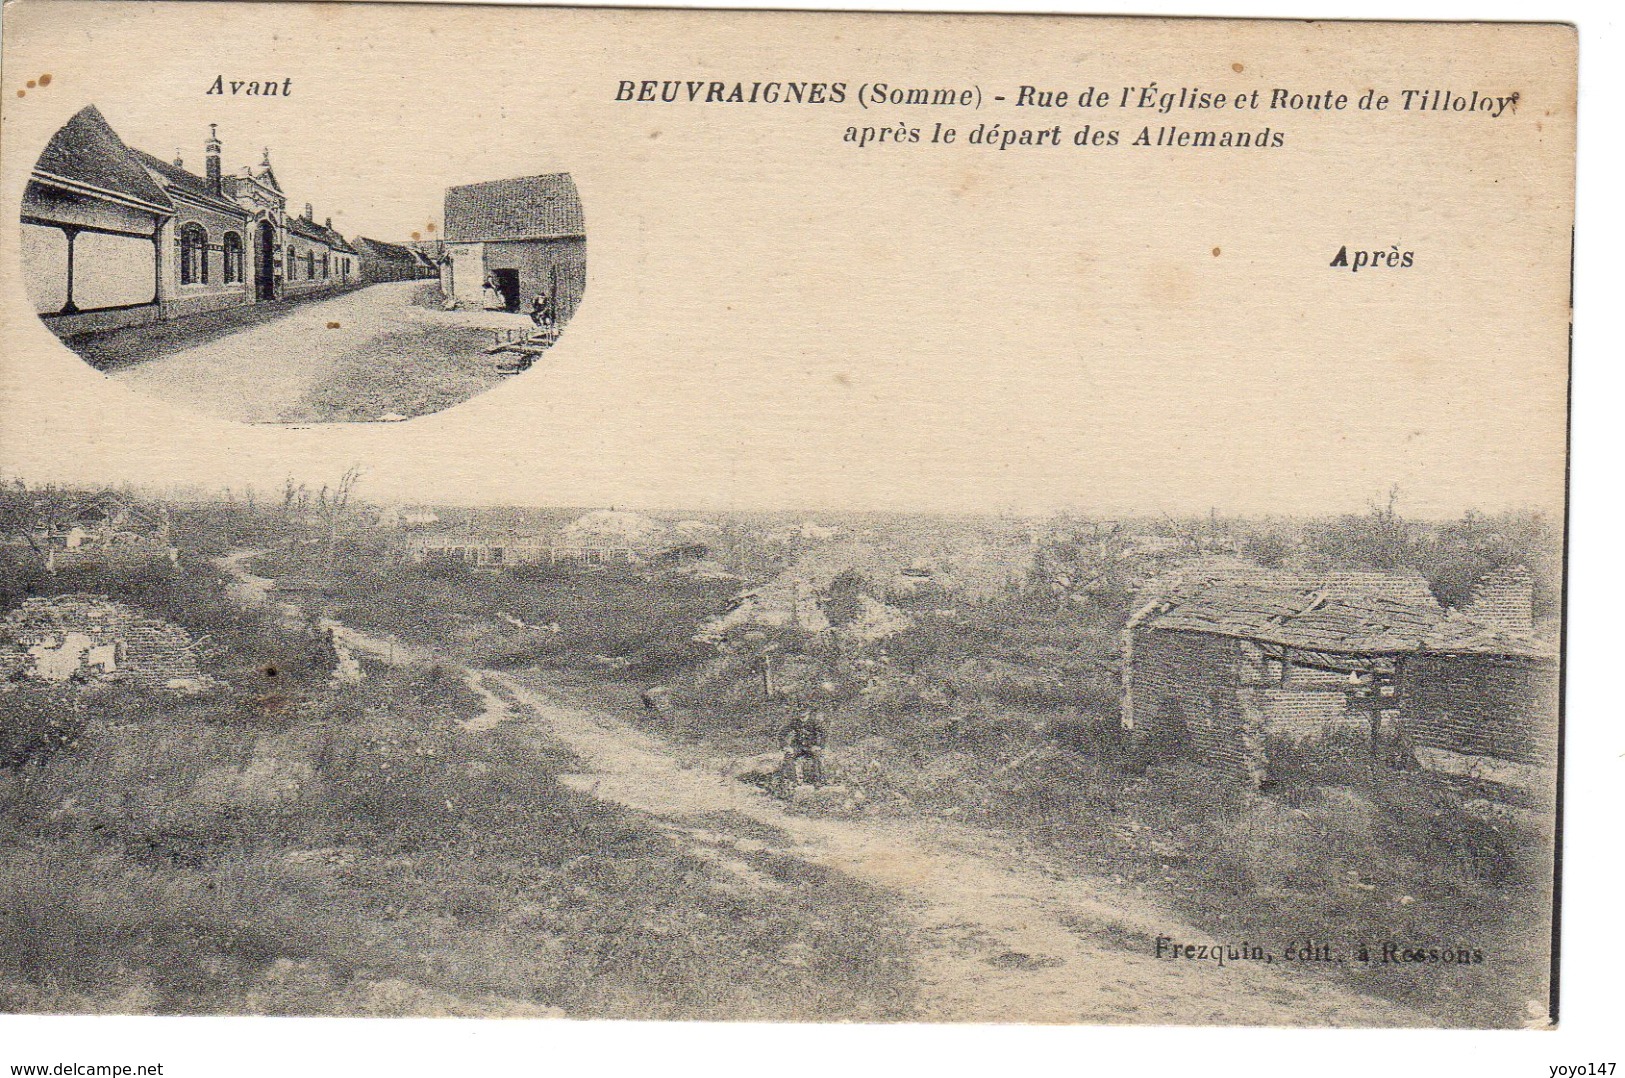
point(63, 637)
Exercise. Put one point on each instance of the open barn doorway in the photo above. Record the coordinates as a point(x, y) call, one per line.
point(507, 286)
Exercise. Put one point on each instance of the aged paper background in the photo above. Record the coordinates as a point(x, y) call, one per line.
point(777, 319)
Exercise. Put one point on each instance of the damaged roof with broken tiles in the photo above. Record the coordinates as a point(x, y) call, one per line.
point(1332, 619)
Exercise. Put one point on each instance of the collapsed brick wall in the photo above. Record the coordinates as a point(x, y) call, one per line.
point(156, 652)
point(1482, 705)
point(1228, 699)
point(149, 651)
point(1505, 600)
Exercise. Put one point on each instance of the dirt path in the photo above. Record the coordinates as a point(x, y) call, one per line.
point(282, 370)
point(256, 374)
point(250, 590)
point(1000, 939)
point(246, 588)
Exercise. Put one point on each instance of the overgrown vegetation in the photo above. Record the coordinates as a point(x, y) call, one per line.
point(614, 619)
point(1002, 712)
point(285, 844)
point(1339, 850)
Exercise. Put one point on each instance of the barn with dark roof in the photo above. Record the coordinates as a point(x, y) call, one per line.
point(515, 244)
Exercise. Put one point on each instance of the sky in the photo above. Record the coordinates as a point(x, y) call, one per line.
point(775, 318)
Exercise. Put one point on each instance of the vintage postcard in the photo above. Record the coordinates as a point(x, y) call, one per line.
point(593, 513)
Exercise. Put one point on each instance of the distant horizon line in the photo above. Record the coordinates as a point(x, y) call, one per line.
point(196, 493)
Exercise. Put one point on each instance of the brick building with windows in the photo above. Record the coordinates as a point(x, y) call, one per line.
point(113, 236)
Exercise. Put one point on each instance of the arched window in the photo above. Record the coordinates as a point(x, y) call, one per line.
point(324, 265)
point(293, 264)
point(194, 254)
point(310, 265)
point(232, 248)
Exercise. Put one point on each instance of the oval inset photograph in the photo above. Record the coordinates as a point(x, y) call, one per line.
point(219, 290)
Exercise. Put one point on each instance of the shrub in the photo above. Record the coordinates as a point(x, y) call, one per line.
point(37, 722)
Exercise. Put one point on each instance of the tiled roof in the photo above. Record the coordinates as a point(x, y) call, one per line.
point(86, 149)
point(320, 232)
point(1462, 635)
point(338, 242)
point(386, 252)
point(1323, 619)
point(176, 178)
point(1305, 619)
point(527, 207)
point(1406, 585)
point(308, 229)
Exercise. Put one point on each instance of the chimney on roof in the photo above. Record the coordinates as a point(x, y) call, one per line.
point(178, 162)
point(328, 224)
point(211, 157)
point(310, 213)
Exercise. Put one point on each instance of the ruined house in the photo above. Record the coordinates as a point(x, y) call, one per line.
point(496, 551)
point(603, 537)
point(60, 638)
point(1219, 670)
point(104, 530)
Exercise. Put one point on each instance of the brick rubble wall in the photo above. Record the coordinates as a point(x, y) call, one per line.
point(1192, 677)
point(1305, 714)
point(1505, 600)
point(152, 651)
point(1480, 705)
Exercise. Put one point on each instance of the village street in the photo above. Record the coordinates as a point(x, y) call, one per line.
point(1001, 934)
point(378, 353)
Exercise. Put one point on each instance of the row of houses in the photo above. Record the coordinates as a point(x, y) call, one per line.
point(113, 236)
point(384, 262)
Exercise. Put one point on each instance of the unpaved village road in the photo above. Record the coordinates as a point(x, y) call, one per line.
point(253, 375)
point(999, 937)
point(272, 372)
